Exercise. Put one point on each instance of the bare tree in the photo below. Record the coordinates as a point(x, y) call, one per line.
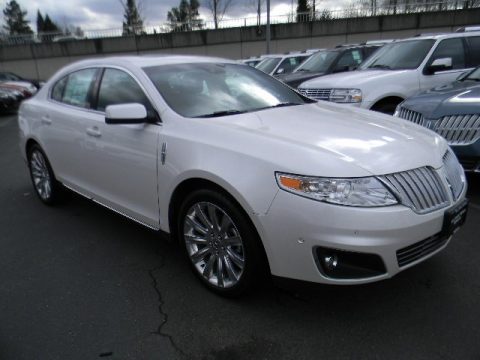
point(218, 9)
point(256, 5)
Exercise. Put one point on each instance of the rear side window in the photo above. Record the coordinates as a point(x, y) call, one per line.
point(118, 87)
point(474, 45)
point(450, 48)
point(78, 87)
point(58, 88)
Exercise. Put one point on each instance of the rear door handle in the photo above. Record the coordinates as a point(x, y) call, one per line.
point(93, 131)
point(46, 120)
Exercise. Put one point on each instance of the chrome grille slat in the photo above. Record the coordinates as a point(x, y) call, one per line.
point(456, 129)
point(420, 189)
point(454, 172)
point(420, 249)
point(317, 94)
point(412, 116)
point(460, 129)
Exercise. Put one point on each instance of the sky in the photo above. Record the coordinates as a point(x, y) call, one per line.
point(107, 14)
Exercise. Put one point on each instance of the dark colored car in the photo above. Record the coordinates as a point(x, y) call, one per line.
point(339, 59)
point(453, 111)
point(9, 101)
point(9, 76)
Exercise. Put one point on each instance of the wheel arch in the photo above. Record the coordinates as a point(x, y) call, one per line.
point(28, 145)
point(387, 99)
point(187, 186)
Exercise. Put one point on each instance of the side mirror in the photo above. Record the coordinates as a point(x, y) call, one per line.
point(126, 114)
point(440, 65)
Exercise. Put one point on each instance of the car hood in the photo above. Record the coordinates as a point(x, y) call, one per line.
point(24, 84)
point(299, 76)
point(351, 79)
point(457, 98)
point(331, 140)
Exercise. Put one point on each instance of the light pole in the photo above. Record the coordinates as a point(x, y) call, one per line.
point(268, 27)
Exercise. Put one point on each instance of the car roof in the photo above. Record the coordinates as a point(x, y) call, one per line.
point(149, 60)
point(442, 36)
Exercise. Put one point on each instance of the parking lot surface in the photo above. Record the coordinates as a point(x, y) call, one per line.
point(80, 282)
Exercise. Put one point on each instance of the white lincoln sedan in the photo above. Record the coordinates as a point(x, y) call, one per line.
point(248, 175)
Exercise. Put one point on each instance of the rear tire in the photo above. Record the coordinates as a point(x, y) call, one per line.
point(47, 188)
point(221, 244)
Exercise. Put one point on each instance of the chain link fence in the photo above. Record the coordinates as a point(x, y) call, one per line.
point(358, 9)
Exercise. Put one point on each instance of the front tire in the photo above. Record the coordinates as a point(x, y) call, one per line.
point(220, 242)
point(46, 186)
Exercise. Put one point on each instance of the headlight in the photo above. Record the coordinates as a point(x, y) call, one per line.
point(363, 192)
point(346, 96)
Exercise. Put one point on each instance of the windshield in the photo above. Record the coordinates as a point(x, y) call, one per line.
point(474, 75)
point(268, 65)
point(399, 55)
point(214, 89)
point(318, 62)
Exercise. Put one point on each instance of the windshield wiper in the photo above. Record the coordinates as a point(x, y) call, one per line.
point(380, 66)
point(221, 113)
point(280, 105)
point(302, 70)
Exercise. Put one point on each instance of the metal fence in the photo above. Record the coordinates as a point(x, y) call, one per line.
point(357, 9)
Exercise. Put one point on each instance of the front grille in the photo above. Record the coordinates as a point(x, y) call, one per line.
point(458, 129)
point(420, 249)
point(420, 189)
point(317, 94)
point(412, 116)
point(454, 173)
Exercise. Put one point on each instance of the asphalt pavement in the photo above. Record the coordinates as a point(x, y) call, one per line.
point(80, 282)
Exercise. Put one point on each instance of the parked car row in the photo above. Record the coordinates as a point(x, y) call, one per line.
point(431, 80)
point(14, 89)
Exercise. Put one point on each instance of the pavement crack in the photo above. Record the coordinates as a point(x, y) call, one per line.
point(161, 303)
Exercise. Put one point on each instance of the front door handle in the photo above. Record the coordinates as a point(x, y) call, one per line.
point(93, 131)
point(46, 120)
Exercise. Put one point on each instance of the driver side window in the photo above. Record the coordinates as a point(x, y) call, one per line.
point(450, 48)
point(118, 87)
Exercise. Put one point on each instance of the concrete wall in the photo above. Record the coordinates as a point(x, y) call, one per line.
point(40, 61)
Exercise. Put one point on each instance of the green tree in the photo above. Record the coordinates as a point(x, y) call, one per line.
point(132, 20)
point(15, 21)
point(40, 22)
point(302, 10)
point(185, 17)
point(50, 26)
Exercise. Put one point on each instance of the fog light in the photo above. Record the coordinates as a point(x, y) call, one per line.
point(330, 262)
point(341, 264)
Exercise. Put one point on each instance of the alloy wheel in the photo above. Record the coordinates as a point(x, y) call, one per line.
point(40, 175)
point(214, 244)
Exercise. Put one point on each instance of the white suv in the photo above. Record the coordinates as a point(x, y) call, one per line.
point(399, 70)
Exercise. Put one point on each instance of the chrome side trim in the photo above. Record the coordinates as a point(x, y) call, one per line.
point(164, 153)
point(112, 209)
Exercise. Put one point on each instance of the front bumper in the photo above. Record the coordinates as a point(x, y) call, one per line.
point(295, 227)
